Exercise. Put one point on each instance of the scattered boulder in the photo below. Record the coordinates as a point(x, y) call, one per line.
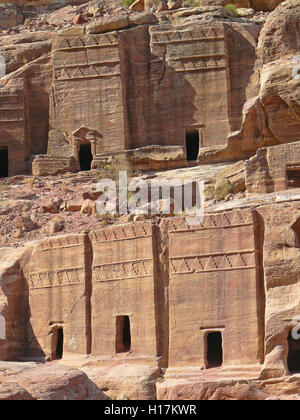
point(108, 24)
point(222, 189)
point(13, 392)
point(230, 181)
point(53, 206)
point(24, 223)
point(88, 207)
point(93, 10)
point(138, 6)
point(245, 13)
point(79, 19)
point(266, 5)
point(275, 364)
point(92, 195)
point(66, 13)
point(162, 6)
point(51, 382)
point(142, 19)
point(55, 226)
point(74, 206)
point(235, 175)
point(174, 4)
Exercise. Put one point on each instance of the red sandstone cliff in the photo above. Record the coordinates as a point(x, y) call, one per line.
point(141, 306)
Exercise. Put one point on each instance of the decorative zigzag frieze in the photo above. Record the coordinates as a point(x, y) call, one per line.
point(123, 232)
point(95, 41)
point(214, 221)
point(200, 64)
point(218, 262)
point(183, 36)
point(123, 270)
point(87, 71)
point(67, 277)
point(62, 242)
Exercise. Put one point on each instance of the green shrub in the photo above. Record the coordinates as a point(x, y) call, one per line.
point(128, 3)
point(233, 9)
point(223, 188)
point(112, 168)
point(209, 192)
point(190, 3)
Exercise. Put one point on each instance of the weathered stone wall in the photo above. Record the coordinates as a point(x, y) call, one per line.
point(13, 126)
point(187, 67)
point(271, 116)
point(212, 275)
point(151, 84)
point(87, 88)
point(242, 41)
point(216, 285)
point(24, 119)
point(124, 283)
point(236, 274)
point(127, 82)
point(37, 76)
point(59, 294)
point(9, 16)
point(268, 170)
point(14, 305)
point(281, 272)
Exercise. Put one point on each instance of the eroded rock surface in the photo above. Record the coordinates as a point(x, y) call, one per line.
point(271, 117)
point(30, 381)
point(143, 306)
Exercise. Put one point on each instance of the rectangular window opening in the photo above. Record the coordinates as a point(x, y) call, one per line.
point(293, 177)
point(214, 350)
point(192, 139)
point(293, 360)
point(123, 334)
point(85, 157)
point(57, 343)
point(4, 163)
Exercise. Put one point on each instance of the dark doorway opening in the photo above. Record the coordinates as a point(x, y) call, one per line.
point(192, 144)
point(214, 351)
point(296, 229)
point(60, 344)
point(123, 334)
point(85, 157)
point(294, 354)
point(293, 177)
point(3, 162)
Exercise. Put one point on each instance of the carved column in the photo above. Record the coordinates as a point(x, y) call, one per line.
point(94, 146)
point(76, 145)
